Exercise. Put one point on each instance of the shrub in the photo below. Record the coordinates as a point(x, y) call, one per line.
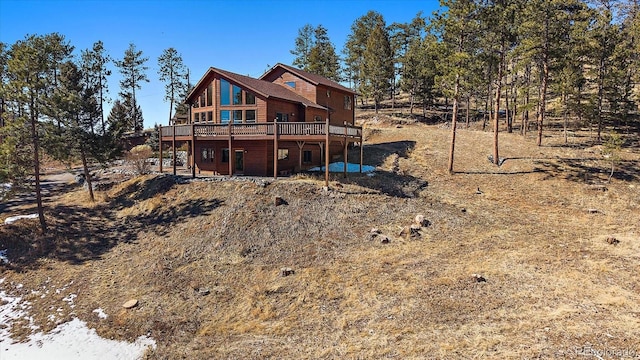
point(138, 157)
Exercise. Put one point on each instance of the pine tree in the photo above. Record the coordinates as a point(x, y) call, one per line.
point(457, 28)
point(173, 72)
point(94, 66)
point(77, 105)
point(133, 70)
point(323, 59)
point(402, 35)
point(32, 72)
point(356, 45)
point(378, 65)
point(303, 45)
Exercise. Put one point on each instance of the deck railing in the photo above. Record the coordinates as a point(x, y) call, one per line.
point(261, 129)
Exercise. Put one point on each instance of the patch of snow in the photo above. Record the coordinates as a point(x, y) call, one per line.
point(351, 168)
point(5, 188)
point(69, 300)
point(3, 257)
point(101, 313)
point(74, 340)
point(71, 340)
point(12, 219)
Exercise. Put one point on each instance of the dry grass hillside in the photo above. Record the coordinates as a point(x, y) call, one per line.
point(538, 258)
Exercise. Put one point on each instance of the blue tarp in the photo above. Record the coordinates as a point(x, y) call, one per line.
point(352, 168)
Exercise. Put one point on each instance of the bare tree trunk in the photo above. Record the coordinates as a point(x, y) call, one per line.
point(496, 116)
point(87, 175)
point(36, 163)
point(542, 100)
point(514, 112)
point(487, 104)
point(601, 71)
point(525, 112)
point(565, 120)
point(468, 105)
point(454, 119)
point(506, 105)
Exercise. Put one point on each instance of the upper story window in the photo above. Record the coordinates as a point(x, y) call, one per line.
point(237, 95)
point(291, 84)
point(234, 95)
point(210, 95)
point(225, 96)
point(347, 102)
point(250, 98)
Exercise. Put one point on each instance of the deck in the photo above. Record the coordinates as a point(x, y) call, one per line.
point(262, 131)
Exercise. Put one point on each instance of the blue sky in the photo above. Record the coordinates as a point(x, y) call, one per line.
point(242, 36)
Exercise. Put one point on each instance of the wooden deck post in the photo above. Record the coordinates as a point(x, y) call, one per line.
point(346, 145)
point(160, 130)
point(300, 147)
point(326, 155)
point(174, 150)
point(193, 151)
point(230, 150)
point(361, 152)
point(275, 148)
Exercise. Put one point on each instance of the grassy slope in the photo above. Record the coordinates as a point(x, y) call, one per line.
point(553, 283)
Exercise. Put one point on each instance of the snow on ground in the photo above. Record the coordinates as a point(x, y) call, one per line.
point(12, 219)
point(3, 257)
point(71, 340)
point(101, 313)
point(352, 168)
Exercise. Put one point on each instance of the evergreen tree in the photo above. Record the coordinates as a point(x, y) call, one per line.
point(77, 105)
point(303, 45)
point(322, 57)
point(173, 72)
point(94, 66)
point(378, 65)
point(457, 28)
point(356, 45)
point(133, 70)
point(402, 35)
point(32, 72)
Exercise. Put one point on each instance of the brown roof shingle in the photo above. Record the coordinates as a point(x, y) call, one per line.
point(312, 78)
point(262, 87)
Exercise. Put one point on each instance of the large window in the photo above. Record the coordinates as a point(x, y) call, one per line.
point(225, 156)
point(237, 116)
point(196, 117)
point(237, 95)
point(225, 98)
point(225, 116)
point(250, 116)
point(250, 98)
point(210, 116)
point(210, 95)
point(202, 104)
point(283, 154)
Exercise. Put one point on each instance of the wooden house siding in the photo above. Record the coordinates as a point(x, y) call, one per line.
point(302, 86)
point(334, 100)
point(315, 119)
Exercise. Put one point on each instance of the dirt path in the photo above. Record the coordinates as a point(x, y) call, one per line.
point(23, 203)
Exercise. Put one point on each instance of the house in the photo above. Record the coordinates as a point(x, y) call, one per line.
point(286, 121)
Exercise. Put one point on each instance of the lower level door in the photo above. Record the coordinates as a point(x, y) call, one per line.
point(239, 161)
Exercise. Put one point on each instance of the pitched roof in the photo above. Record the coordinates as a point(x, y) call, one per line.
point(312, 78)
point(265, 88)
